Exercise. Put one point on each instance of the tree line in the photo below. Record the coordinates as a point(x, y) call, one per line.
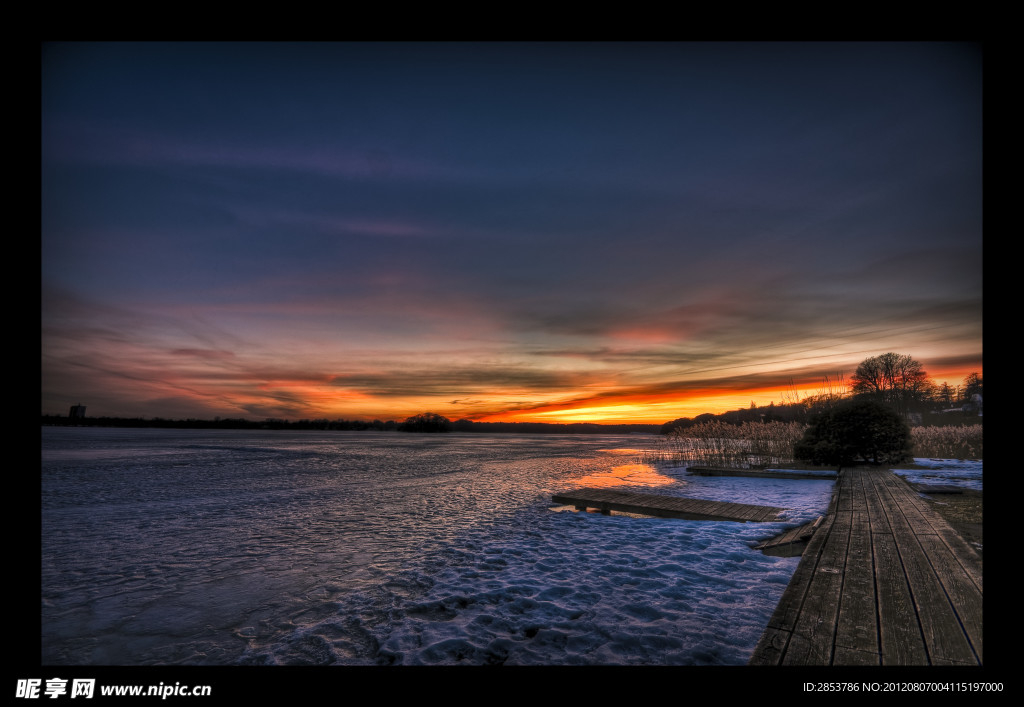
point(869, 423)
point(219, 423)
point(896, 381)
point(425, 422)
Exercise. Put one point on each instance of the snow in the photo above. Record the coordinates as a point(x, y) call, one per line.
point(188, 547)
point(946, 472)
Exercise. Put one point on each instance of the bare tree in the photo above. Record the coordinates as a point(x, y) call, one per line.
point(972, 385)
point(896, 380)
point(972, 393)
point(947, 395)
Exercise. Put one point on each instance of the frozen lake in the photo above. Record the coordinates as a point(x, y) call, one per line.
point(196, 547)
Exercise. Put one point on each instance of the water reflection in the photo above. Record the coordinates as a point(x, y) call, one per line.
point(627, 475)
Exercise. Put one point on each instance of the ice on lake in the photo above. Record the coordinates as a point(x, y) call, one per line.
point(191, 547)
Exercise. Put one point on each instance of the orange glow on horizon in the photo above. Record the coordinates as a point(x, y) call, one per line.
point(658, 409)
point(651, 408)
point(601, 402)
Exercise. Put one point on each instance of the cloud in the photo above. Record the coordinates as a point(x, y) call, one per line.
point(355, 230)
point(203, 353)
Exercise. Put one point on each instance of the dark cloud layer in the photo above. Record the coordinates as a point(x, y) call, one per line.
point(362, 230)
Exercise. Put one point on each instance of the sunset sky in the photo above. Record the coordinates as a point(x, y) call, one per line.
point(527, 232)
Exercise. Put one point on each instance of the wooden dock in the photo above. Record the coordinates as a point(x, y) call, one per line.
point(883, 581)
point(607, 500)
point(760, 473)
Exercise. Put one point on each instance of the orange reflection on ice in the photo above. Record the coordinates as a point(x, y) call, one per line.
point(627, 475)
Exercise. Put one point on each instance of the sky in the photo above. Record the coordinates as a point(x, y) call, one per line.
point(549, 232)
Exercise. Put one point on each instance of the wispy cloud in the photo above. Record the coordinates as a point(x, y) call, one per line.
point(495, 231)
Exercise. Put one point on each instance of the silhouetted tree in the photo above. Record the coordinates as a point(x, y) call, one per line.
point(857, 430)
point(426, 422)
point(896, 380)
point(972, 385)
point(973, 393)
point(679, 423)
point(946, 395)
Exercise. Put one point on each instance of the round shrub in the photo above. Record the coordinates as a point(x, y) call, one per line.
point(856, 431)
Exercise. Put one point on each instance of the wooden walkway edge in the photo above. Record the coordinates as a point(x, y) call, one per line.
point(884, 580)
point(760, 473)
point(607, 500)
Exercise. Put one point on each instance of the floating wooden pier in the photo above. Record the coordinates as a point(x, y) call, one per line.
point(760, 473)
point(607, 500)
point(884, 580)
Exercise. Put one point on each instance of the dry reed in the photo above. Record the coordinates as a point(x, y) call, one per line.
point(747, 445)
point(950, 442)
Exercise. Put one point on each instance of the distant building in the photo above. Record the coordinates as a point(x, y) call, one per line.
point(77, 412)
point(974, 405)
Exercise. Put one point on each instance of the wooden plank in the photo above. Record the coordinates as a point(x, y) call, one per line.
point(944, 637)
point(931, 522)
point(857, 628)
point(965, 556)
point(842, 499)
point(666, 506)
point(801, 580)
point(770, 647)
point(900, 639)
point(907, 509)
point(847, 656)
point(899, 634)
point(907, 587)
point(814, 631)
point(965, 597)
point(797, 535)
point(760, 473)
